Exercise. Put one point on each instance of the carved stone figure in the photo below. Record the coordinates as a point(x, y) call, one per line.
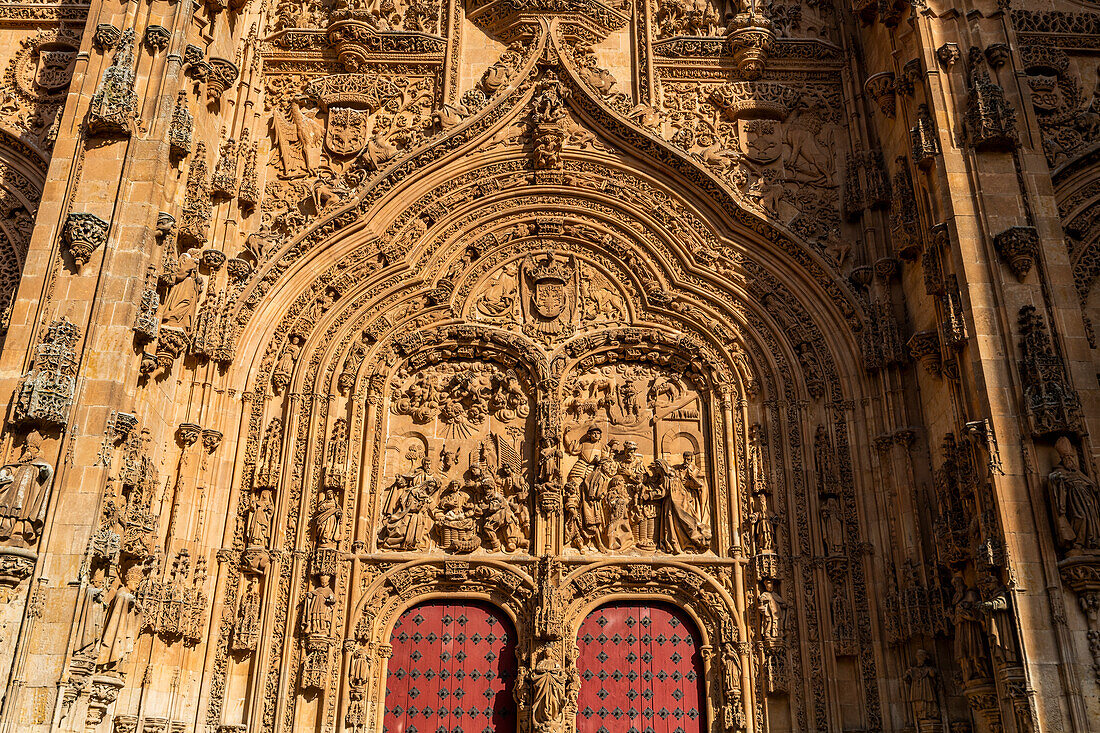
point(317, 610)
point(326, 518)
point(971, 642)
point(550, 695)
point(832, 526)
point(681, 525)
point(923, 680)
point(773, 610)
point(183, 297)
point(123, 622)
point(260, 515)
point(24, 493)
point(1074, 502)
point(407, 524)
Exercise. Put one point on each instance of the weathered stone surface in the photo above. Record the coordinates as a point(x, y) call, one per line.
point(510, 320)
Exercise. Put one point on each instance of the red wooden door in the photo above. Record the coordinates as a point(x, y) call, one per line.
point(452, 670)
point(641, 671)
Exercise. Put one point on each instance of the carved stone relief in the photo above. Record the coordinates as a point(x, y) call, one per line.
point(458, 460)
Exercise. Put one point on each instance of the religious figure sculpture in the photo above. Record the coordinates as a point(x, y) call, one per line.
point(92, 617)
point(772, 609)
point(183, 297)
point(832, 526)
point(681, 523)
point(123, 622)
point(24, 491)
point(924, 684)
point(317, 610)
point(1074, 501)
point(407, 525)
point(327, 519)
point(971, 643)
point(259, 520)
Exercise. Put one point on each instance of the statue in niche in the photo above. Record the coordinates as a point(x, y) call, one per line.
point(123, 621)
point(260, 515)
point(971, 643)
point(832, 526)
point(763, 523)
point(924, 684)
point(24, 492)
point(681, 524)
point(92, 615)
point(183, 297)
point(246, 630)
point(1075, 502)
point(550, 684)
point(317, 609)
point(773, 610)
point(327, 519)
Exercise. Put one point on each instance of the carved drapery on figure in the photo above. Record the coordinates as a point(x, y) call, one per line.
point(477, 418)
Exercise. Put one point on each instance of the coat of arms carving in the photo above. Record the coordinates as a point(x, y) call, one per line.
point(550, 296)
point(346, 130)
point(54, 68)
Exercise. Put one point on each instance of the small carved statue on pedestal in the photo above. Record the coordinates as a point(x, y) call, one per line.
point(1074, 502)
point(24, 490)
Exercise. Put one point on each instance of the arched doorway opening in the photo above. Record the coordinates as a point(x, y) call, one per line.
point(452, 670)
point(641, 670)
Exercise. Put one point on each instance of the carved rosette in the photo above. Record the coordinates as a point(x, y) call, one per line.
point(750, 40)
point(84, 234)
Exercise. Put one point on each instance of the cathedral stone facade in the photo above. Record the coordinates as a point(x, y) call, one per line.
point(550, 366)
